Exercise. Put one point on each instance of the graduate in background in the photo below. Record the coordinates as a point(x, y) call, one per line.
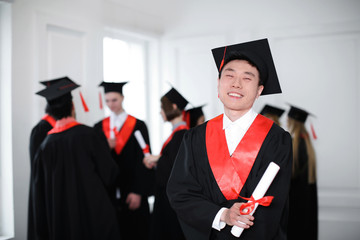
point(37, 135)
point(303, 214)
point(135, 181)
point(165, 225)
point(71, 171)
point(273, 113)
point(194, 116)
point(226, 157)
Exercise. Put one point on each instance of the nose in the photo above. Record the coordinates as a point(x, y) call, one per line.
point(237, 83)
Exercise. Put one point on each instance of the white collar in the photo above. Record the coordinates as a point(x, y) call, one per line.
point(243, 122)
point(119, 116)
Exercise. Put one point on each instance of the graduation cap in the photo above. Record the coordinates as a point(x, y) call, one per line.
point(175, 97)
point(268, 109)
point(50, 82)
point(298, 114)
point(60, 91)
point(113, 86)
point(301, 116)
point(256, 52)
point(192, 115)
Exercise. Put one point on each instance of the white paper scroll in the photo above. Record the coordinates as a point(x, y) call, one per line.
point(112, 132)
point(141, 141)
point(260, 191)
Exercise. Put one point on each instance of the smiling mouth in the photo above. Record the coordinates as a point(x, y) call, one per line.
point(238, 95)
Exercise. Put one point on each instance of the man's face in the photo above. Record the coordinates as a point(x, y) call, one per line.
point(238, 86)
point(114, 101)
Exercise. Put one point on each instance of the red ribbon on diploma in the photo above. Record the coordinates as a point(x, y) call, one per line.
point(248, 207)
point(146, 149)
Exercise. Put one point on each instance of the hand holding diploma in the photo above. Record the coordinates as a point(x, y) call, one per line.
point(150, 161)
point(232, 217)
point(257, 195)
point(142, 143)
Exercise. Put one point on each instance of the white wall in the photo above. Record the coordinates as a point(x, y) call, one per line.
point(315, 46)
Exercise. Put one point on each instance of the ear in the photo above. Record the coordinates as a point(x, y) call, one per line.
point(260, 89)
point(174, 106)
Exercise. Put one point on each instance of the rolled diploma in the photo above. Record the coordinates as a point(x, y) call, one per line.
point(141, 140)
point(260, 191)
point(112, 133)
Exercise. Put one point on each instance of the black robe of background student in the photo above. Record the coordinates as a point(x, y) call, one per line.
point(134, 177)
point(165, 225)
point(197, 198)
point(303, 208)
point(38, 134)
point(70, 173)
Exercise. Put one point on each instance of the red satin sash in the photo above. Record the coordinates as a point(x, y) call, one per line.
point(63, 128)
point(181, 127)
point(121, 136)
point(231, 172)
point(49, 119)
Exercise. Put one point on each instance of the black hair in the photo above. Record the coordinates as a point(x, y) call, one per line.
point(60, 110)
point(240, 56)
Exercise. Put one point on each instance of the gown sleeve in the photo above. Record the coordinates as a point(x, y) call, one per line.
point(38, 199)
point(194, 209)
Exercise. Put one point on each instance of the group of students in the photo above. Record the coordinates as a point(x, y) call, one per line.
point(94, 182)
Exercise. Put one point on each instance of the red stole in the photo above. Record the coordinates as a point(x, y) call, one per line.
point(63, 124)
point(231, 172)
point(121, 136)
point(49, 119)
point(181, 127)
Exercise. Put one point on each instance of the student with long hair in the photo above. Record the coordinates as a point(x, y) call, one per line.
point(303, 213)
point(165, 223)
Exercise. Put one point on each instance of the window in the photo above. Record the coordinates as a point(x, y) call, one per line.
point(124, 61)
point(6, 182)
point(133, 58)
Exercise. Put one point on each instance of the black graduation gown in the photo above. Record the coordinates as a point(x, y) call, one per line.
point(196, 197)
point(37, 135)
point(70, 173)
point(165, 225)
point(134, 177)
point(303, 204)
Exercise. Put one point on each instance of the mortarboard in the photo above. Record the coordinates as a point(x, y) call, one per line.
point(48, 83)
point(301, 116)
point(59, 92)
point(113, 86)
point(175, 97)
point(298, 114)
point(259, 53)
point(268, 109)
point(192, 115)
